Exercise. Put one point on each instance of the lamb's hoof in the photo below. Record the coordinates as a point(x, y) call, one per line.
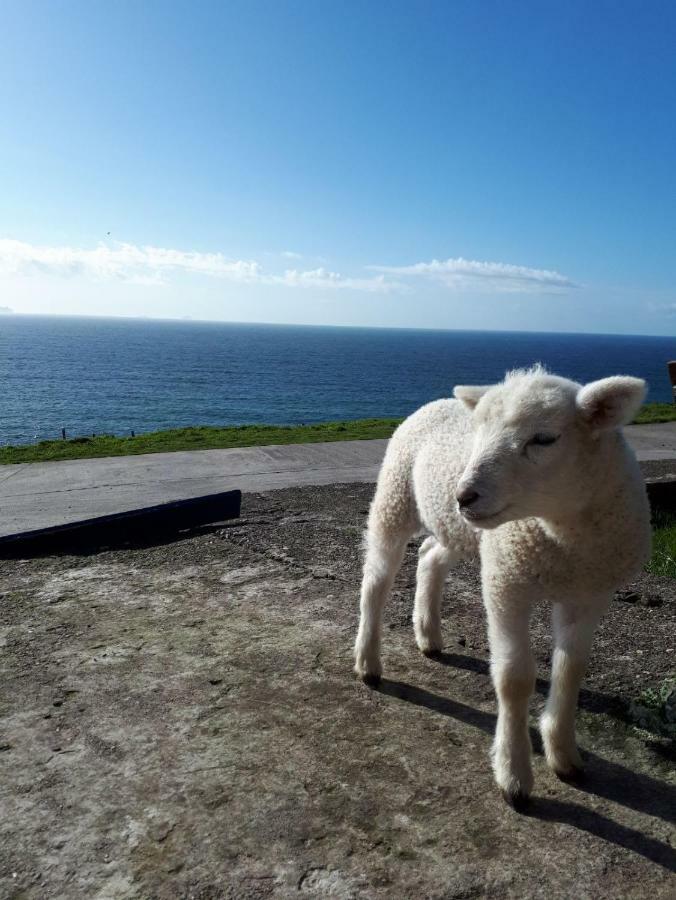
point(572, 775)
point(518, 800)
point(430, 645)
point(368, 666)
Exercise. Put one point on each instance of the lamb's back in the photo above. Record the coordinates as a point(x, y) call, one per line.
point(438, 421)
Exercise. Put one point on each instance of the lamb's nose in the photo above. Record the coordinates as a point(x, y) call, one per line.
point(466, 497)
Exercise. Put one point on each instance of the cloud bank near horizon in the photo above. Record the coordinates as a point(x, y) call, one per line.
point(154, 265)
point(148, 265)
point(470, 274)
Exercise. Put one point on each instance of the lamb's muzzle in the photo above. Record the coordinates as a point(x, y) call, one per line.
point(466, 497)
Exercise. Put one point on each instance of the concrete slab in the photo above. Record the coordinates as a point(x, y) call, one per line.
point(43, 495)
point(652, 442)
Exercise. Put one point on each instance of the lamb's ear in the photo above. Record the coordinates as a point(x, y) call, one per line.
point(470, 394)
point(611, 402)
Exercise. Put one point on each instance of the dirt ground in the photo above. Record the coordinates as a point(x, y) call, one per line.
point(181, 721)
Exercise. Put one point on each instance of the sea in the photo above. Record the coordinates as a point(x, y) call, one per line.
point(114, 376)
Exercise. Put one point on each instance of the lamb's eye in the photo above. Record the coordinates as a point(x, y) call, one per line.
point(542, 440)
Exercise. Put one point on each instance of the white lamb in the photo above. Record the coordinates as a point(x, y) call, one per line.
point(533, 473)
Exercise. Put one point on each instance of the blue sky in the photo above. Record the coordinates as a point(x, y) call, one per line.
point(502, 165)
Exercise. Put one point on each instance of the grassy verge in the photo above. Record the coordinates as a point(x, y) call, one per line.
point(654, 710)
point(206, 438)
point(663, 560)
point(202, 438)
point(652, 413)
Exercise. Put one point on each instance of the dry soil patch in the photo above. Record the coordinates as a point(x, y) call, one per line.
point(181, 721)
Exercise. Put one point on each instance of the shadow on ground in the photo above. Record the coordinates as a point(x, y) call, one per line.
point(603, 778)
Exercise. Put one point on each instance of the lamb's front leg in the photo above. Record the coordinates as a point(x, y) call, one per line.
point(513, 672)
point(574, 628)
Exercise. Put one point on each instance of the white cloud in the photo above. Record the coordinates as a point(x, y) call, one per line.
point(149, 265)
point(471, 275)
point(126, 262)
point(154, 265)
point(289, 254)
point(324, 278)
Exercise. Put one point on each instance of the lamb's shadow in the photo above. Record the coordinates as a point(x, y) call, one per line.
point(592, 822)
point(605, 779)
point(592, 701)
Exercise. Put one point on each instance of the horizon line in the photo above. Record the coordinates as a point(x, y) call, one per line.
point(187, 320)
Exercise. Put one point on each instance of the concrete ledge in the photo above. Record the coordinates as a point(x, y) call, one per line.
point(50, 494)
point(147, 525)
point(662, 493)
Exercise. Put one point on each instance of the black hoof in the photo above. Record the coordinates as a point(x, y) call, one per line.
point(519, 802)
point(574, 775)
point(371, 680)
point(433, 654)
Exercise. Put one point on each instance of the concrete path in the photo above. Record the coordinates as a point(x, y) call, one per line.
point(41, 495)
point(653, 442)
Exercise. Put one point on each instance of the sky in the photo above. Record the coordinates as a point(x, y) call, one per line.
point(490, 165)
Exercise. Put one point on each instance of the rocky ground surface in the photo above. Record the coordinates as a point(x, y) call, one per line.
point(181, 721)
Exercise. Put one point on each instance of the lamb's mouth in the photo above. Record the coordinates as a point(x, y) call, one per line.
point(477, 518)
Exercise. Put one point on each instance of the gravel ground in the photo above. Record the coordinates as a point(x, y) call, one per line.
point(181, 721)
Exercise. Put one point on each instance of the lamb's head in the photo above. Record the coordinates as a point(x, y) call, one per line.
point(538, 442)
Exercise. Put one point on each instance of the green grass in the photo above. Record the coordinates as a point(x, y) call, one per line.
point(654, 710)
point(652, 413)
point(663, 560)
point(206, 438)
point(201, 438)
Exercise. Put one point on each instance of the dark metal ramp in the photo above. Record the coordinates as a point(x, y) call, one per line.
point(146, 525)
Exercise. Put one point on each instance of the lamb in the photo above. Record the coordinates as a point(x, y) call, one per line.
point(535, 476)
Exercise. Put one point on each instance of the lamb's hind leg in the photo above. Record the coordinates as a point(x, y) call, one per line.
point(434, 562)
point(384, 553)
point(573, 634)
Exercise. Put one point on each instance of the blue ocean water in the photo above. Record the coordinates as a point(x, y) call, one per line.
point(99, 376)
